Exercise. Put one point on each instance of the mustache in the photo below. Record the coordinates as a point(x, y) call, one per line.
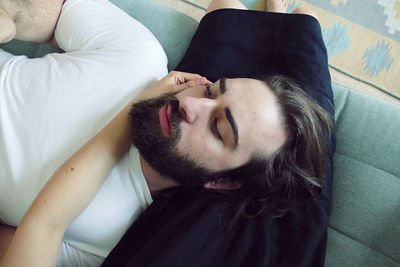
point(158, 102)
point(176, 116)
point(151, 107)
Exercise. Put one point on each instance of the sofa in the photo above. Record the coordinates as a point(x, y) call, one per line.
point(364, 228)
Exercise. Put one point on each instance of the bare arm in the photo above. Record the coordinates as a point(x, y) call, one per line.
point(74, 185)
point(66, 195)
point(6, 234)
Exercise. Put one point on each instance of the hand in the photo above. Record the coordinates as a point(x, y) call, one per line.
point(173, 83)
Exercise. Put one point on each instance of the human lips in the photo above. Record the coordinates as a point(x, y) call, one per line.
point(165, 122)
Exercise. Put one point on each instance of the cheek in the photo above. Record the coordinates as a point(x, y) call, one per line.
point(197, 146)
point(203, 151)
point(193, 143)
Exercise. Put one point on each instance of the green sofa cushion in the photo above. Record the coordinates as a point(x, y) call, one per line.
point(365, 222)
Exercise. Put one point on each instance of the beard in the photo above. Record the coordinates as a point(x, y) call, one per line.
point(158, 150)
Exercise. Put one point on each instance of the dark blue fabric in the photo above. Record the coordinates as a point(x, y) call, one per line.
point(235, 43)
point(185, 229)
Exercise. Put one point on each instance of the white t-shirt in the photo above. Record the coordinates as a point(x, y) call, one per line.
point(121, 199)
point(51, 106)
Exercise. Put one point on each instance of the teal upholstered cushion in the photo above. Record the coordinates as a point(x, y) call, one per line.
point(365, 223)
point(31, 50)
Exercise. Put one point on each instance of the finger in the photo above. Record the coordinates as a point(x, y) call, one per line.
point(197, 82)
point(183, 77)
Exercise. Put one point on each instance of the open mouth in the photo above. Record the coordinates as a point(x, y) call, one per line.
point(165, 121)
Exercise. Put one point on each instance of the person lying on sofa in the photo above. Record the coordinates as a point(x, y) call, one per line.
point(228, 152)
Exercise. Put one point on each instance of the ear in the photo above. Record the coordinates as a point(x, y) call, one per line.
point(225, 184)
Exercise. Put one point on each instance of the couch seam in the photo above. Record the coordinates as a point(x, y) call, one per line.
point(376, 168)
point(343, 104)
point(361, 242)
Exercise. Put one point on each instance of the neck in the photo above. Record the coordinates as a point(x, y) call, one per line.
point(155, 181)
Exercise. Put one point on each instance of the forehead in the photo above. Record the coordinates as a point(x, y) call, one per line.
point(255, 109)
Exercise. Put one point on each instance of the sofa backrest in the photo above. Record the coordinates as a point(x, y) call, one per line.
point(364, 229)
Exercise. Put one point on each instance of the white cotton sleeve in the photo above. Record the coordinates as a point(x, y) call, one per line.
point(96, 24)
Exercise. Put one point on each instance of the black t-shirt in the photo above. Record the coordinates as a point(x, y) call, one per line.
point(185, 230)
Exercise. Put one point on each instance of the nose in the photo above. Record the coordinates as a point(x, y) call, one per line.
point(193, 108)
